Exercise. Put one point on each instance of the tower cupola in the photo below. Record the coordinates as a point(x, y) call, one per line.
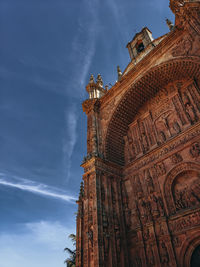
point(139, 43)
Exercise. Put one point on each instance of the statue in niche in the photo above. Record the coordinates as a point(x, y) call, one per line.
point(160, 169)
point(164, 119)
point(176, 127)
point(177, 241)
point(144, 209)
point(160, 203)
point(154, 206)
point(180, 201)
point(113, 195)
point(102, 192)
point(128, 217)
point(164, 254)
point(162, 137)
point(135, 217)
point(146, 234)
point(90, 236)
point(186, 198)
point(150, 256)
point(190, 113)
point(90, 217)
point(144, 142)
point(131, 154)
point(195, 150)
point(176, 158)
point(138, 186)
point(106, 238)
point(137, 262)
point(118, 243)
point(149, 182)
point(104, 218)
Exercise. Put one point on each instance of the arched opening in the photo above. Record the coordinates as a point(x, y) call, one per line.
point(186, 190)
point(142, 90)
point(195, 258)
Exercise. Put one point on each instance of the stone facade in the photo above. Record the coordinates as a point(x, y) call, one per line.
point(140, 201)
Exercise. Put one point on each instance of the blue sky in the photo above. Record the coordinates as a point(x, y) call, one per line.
point(48, 50)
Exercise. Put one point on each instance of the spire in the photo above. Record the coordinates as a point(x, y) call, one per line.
point(99, 81)
point(81, 194)
point(95, 90)
point(170, 24)
point(119, 73)
point(91, 79)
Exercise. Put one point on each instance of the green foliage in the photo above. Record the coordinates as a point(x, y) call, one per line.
point(71, 260)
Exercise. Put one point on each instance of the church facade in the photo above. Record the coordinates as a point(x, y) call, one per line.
point(139, 202)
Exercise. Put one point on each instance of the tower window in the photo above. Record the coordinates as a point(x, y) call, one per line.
point(140, 46)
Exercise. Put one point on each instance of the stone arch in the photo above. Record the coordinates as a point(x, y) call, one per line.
point(170, 178)
point(188, 248)
point(142, 89)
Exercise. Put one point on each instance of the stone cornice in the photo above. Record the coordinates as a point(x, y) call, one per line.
point(97, 164)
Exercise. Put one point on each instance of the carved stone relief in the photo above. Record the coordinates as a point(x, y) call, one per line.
point(186, 190)
point(177, 107)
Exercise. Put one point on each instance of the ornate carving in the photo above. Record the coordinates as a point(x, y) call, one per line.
point(149, 182)
point(177, 241)
point(195, 150)
point(186, 222)
point(176, 158)
point(183, 47)
point(164, 256)
point(150, 256)
point(187, 190)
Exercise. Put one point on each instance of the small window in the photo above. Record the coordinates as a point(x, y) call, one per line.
point(140, 46)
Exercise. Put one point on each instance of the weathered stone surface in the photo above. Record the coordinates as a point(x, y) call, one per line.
point(140, 205)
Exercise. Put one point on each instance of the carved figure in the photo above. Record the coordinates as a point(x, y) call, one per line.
point(137, 262)
point(154, 206)
point(176, 158)
point(106, 238)
point(190, 112)
point(90, 236)
point(146, 234)
point(164, 254)
point(144, 142)
point(195, 150)
point(176, 127)
point(149, 182)
point(144, 209)
point(150, 256)
point(138, 186)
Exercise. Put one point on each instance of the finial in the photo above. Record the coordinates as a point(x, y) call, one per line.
point(92, 79)
point(119, 73)
point(99, 80)
point(81, 190)
point(106, 87)
point(170, 24)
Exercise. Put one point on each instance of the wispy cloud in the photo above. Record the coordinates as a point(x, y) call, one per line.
point(83, 52)
point(36, 188)
point(82, 55)
point(69, 142)
point(48, 239)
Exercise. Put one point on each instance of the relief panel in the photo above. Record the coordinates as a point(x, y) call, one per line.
point(170, 112)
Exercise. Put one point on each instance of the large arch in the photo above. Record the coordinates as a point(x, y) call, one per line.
point(144, 88)
point(188, 248)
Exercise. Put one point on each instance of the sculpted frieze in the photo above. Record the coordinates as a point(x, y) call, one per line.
point(164, 120)
point(185, 222)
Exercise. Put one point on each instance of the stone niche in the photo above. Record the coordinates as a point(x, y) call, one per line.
point(186, 190)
